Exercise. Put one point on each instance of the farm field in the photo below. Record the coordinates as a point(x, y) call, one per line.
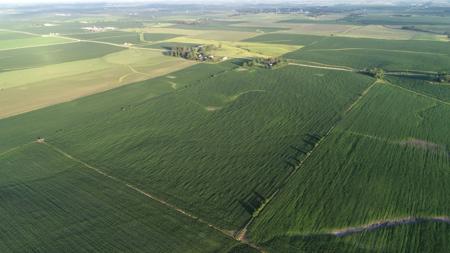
point(119, 37)
point(239, 49)
point(26, 58)
point(362, 53)
point(211, 108)
point(32, 41)
point(48, 192)
point(70, 80)
point(382, 172)
point(234, 128)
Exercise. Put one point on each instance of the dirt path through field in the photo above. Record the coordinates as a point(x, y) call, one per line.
point(374, 49)
point(137, 72)
point(146, 194)
point(41, 45)
point(385, 224)
point(418, 93)
point(13, 149)
point(322, 67)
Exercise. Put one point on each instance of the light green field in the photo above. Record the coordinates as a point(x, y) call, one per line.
point(32, 42)
point(383, 32)
point(240, 49)
point(225, 35)
point(52, 84)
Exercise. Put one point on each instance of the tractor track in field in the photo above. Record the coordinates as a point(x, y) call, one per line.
point(14, 148)
point(241, 233)
point(418, 93)
point(374, 49)
point(41, 45)
point(386, 224)
point(227, 233)
point(322, 67)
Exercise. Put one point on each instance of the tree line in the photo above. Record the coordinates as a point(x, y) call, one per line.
point(267, 63)
point(197, 53)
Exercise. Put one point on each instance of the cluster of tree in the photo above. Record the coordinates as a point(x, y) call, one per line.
point(443, 77)
point(197, 53)
point(378, 73)
point(268, 63)
point(193, 22)
point(416, 29)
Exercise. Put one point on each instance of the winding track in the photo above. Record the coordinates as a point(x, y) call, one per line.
point(388, 223)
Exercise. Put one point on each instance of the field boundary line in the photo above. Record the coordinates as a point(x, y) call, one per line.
point(22, 32)
point(380, 224)
point(387, 223)
point(13, 149)
point(418, 93)
point(361, 97)
point(137, 72)
point(321, 67)
point(374, 49)
point(83, 40)
point(146, 194)
point(241, 234)
point(42, 45)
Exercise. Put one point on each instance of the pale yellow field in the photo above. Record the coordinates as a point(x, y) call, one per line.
point(52, 84)
point(225, 35)
point(185, 32)
point(382, 32)
point(318, 29)
point(241, 49)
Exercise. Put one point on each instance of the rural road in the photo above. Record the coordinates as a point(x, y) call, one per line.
point(82, 40)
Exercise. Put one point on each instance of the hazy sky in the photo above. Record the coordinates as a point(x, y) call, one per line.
point(209, 1)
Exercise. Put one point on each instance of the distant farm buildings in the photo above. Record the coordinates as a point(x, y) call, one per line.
point(98, 29)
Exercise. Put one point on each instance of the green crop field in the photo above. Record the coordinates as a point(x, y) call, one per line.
point(234, 128)
point(426, 87)
point(361, 53)
point(16, 59)
point(31, 42)
point(219, 104)
point(48, 192)
point(382, 175)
